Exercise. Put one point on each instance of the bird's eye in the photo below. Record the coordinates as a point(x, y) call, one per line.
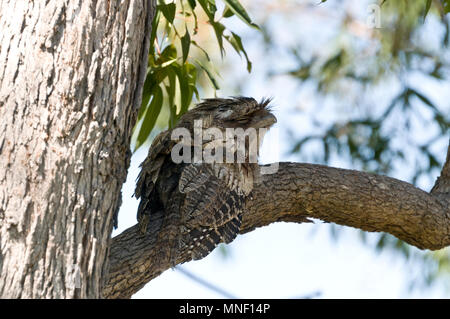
point(223, 109)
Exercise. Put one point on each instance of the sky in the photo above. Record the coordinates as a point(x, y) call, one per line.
point(283, 260)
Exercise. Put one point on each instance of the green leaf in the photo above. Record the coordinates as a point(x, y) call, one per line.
point(185, 44)
point(154, 77)
point(171, 87)
point(239, 11)
point(168, 11)
point(157, 75)
point(184, 87)
point(334, 62)
point(171, 91)
point(236, 43)
point(184, 92)
point(146, 94)
point(446, 4)
point(169, 53)
point(167, 63)
point(209, 8)
point(154, 29)
point(218, 30)
point(150, 117)
point(187, 76)
point(191, 71)
point(227, 12)
point(427, 8)
point(209, 73)
point(192, 3)
point(203, 50)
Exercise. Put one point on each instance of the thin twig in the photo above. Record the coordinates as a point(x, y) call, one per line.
point(203, 282)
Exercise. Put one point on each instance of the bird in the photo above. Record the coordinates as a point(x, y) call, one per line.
point(201, 202)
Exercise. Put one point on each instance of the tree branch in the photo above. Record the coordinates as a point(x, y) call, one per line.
point(295, 193)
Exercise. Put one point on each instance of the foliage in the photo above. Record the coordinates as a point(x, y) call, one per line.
point(381, 57)
point(176, 59)
point(394, 53)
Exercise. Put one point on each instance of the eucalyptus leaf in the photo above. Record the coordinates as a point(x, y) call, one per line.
point(236, 43)
point(168, 11)
point(427, 8)
point(209, 8)
point(203, 50)
point(185, 44)
point(150, 117)
point(227, 12)
point(240, 12)
point(209, 73)
point(171, 91)
point(192, 3)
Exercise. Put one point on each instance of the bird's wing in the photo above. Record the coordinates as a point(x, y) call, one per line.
point(201, 241)
point(150, 171)
point(160, 148)
point(212, 195)
point(211, 212)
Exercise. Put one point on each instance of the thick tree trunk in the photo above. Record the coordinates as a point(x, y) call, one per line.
point(71, 75)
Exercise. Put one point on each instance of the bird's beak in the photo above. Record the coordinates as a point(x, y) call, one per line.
point(267, 120)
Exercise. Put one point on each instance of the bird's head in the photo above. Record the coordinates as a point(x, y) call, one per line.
point(236, 125)
point(238, 112)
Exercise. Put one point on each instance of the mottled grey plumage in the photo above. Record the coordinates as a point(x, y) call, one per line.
point(201, 203)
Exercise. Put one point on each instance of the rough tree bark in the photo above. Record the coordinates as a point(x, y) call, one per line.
point(295, 193)
point(71, 76)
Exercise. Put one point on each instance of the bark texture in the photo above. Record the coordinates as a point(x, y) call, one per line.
point(295, 193)
point(71, 75)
